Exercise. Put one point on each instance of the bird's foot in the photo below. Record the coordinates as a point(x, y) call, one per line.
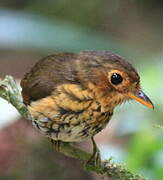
point(95, 159)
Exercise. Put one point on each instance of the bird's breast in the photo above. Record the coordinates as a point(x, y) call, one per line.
point(68, 120)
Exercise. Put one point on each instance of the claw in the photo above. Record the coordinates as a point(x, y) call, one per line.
point(95, 157)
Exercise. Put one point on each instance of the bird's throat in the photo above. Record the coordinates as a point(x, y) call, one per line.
point(107, 98)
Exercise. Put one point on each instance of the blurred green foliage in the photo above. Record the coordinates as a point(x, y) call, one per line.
point(145, 153)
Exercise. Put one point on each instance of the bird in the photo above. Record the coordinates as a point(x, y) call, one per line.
point(72, 96)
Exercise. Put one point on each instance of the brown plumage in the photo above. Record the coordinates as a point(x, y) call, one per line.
point(72, 95)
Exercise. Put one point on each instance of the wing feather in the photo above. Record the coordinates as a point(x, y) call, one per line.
point(47, 74)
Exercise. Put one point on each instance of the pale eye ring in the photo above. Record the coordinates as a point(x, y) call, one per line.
point(116, 79)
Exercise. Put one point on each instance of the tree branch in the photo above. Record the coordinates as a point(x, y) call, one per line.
point(10, 91)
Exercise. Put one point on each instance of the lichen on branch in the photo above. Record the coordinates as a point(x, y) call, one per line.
point(10, 91)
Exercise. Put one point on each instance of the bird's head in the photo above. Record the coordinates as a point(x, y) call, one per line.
point(113, 77)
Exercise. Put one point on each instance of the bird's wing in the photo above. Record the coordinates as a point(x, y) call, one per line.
point(47, 74)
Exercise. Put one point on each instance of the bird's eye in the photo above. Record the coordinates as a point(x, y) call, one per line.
point(116, 79)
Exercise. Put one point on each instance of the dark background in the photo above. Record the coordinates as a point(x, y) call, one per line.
point(31, 29)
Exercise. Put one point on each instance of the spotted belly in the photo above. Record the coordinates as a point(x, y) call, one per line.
point(73, 127)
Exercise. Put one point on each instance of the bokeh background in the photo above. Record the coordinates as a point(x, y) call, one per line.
point(31, 29)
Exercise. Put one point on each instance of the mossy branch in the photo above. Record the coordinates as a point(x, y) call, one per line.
point(10, 91)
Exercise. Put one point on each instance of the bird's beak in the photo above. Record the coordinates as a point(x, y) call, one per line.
point(142, 98)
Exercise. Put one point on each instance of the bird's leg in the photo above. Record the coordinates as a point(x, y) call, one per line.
point(95, 157)
point(55, 144)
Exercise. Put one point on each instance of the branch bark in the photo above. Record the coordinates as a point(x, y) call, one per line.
point(10, 91)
